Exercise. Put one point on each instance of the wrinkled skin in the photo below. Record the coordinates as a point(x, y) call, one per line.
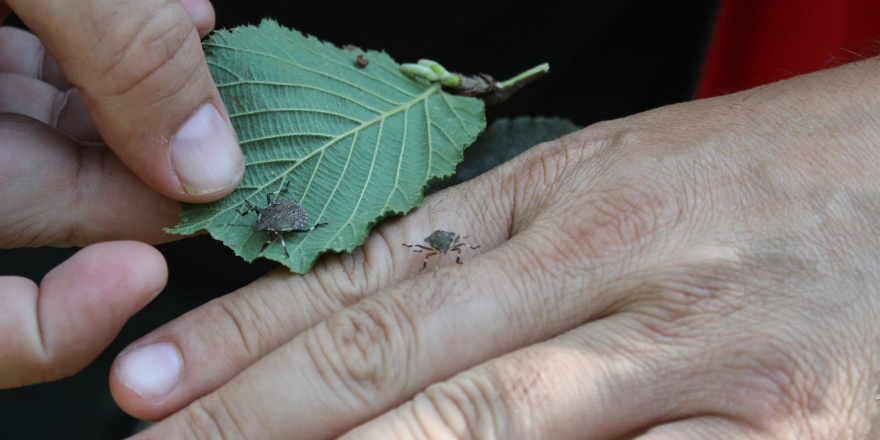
point(701, 271)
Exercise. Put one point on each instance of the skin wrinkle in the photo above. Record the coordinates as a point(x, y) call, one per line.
point(520, 389)
point(192, 80)
point(496, 208)
point(426, 423)
point(374, 266)
point(239, 428)
point(129, 61)
point(202, 424)
point(872, 398)
point(560, 310)
point(311, 304)
point(519, 277)
point(363, 341)
point(323, 305)
point(465, 396)
point(773, 378)
point(486, 396)
point(851, 412)
point(212, 313)
point(242, 333)
point(90, 166)
point(698, 355)
point(269, 326)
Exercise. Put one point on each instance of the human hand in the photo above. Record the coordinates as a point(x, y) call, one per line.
point(132, 74)
point(701, 271)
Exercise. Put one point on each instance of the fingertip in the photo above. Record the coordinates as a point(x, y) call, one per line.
point(118, 266)
point(143, 375)
point(202, 14)
point(57, 329)
point(86, 300)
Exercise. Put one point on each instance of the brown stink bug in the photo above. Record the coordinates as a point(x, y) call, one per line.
point(278, 216)
point(441, 242)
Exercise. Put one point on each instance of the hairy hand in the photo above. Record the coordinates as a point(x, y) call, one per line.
point(133, 75)
point(705, 270)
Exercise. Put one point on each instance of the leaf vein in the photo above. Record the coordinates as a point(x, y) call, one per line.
point(317, 72)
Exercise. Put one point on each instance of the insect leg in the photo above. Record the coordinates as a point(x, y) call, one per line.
point(425, 263)
point(307, 230)
point(282, 190)
point(284, 245)
point(418, 246)
point(465, 244)
point(250, 208)
point(272, 238)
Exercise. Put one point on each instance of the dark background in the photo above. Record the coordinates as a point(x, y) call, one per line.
point(608, 58)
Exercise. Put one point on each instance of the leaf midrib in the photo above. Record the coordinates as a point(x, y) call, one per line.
point(380, 118)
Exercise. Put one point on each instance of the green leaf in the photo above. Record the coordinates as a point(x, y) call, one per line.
point(357, 144)
point(502, 141)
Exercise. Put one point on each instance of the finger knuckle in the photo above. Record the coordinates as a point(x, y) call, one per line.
point(775, 383)
point(153, 52)
point(615, 223)
point(462, 408)
point(500, 400)
point(253, 330)
point(614, 216)
point(365, 349)
point(346, 276)
point(544, 169)
point(202, 420)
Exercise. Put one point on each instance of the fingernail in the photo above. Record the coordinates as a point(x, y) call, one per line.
point(205, 153)
point(151, 371)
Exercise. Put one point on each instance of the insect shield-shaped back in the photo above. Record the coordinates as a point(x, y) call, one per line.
point(281, 215)
point(441, 240)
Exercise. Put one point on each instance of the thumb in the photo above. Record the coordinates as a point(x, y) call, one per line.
point(142, 75)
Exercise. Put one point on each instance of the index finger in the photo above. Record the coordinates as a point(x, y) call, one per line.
point(142, 76)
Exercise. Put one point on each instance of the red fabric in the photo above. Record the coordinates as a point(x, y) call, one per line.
point(759, 42)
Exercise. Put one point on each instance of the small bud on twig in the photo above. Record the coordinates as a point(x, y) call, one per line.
point(482, 85)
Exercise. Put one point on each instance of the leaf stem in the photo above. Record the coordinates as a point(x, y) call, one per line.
point(530, 75)
point(482, 85)
point(505, 89)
